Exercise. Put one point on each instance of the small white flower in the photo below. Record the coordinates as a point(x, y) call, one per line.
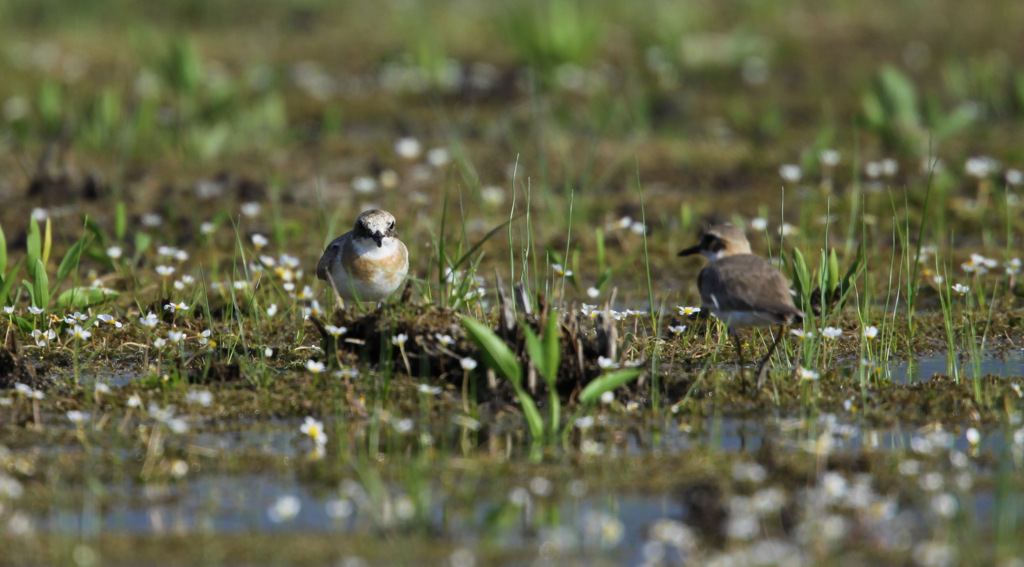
point(284, 509)
point(272, 310)
point(175, 336)
point(150, 320)
point(687, 311)
point(559, 270)
point(9, 309)
point(77, 417)
point(791, 172)
point(605, 363)
point(1012, 266)
point(438, 157)
point(175, 307)
point(201, 397)
point(114, 252)
point(1014, 177)
point(34, 310)
point(179, 468)
point(335, 331)
point(445, 340)
point(408, 148)
point(961, 288)
point(134, 401)
point(585, 422)
point(467, 363)
point(108, 319)
point(204, 337)
point(677, 329)
point(870, 332)
point(347, 373)
point(973, 436)
point(250, 209)
point(608, 397)
point(829, 158)
point(259, 241)
point(759, 224)
point(79, 333)
point(890, 167)
point(102, 388)
point(164, 271)
point(315, 430)
point(806, 374)
point(180, 255)
point(980, 167)
point(786, 229)
point(831, 332)
point(207, 228)
point(399, 339)
point(873, 169)
point(159, 342)
point(593, 292)
point(314, 366)
point(428, 389)
point(151, 220)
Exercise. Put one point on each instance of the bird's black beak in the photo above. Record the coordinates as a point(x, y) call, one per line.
point(690, 251)
point(378, 237)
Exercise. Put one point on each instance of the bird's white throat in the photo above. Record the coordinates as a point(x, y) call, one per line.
point(367, 248)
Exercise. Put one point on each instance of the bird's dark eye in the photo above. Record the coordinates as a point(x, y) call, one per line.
point(392, 227)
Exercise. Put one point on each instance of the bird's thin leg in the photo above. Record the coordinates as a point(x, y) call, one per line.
point(762, 369)
point(739, 353)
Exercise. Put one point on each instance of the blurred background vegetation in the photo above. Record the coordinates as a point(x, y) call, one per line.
point(139, 101)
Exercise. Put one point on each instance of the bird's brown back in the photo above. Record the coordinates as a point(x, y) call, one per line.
point(747, 283)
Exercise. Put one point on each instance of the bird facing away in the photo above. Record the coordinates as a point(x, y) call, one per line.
point(367, 263)
point(741, 289)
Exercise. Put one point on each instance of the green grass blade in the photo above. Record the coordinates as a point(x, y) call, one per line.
point(535, 350)
point(41, 287)
point(33, 247)
point(494, 351)
point(608, 382)
point(71, 259)
point(120, 221)
point(3, 252)
point(552, 348)
point(7, 283)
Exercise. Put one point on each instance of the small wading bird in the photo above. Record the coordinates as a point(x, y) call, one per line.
point(367, 263)
point(741, 289)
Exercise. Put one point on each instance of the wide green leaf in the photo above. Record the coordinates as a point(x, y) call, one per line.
point(33, 247)
point(3, 251)
point(608, 382)
point(71, 259)
point(41, 286)
point(7, 283)
point(533, 419)
point(535, 350)
point(81, 298)
point(495, 353)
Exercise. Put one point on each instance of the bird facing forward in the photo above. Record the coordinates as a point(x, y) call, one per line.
point(367, 263)
point(742, 289)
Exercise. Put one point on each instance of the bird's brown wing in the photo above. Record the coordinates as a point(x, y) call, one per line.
point(331, 255)
point(748, 283)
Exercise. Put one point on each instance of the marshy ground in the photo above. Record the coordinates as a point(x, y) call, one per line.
point(177, 387)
